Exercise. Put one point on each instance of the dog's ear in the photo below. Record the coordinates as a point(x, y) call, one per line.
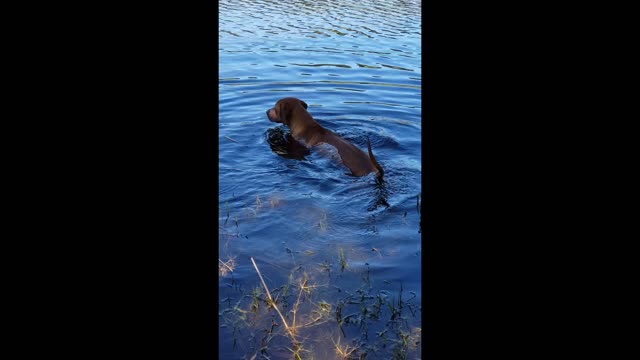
point(304, 104)
point(283, 112)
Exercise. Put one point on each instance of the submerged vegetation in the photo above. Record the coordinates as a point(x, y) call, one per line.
point(293, 321)
point(311, 313)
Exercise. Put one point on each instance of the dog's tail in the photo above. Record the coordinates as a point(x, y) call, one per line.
point(373, 160)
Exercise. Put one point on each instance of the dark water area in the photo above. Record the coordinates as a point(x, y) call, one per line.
point(340, 255)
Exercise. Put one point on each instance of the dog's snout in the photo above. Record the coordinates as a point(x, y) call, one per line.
point(271, 115)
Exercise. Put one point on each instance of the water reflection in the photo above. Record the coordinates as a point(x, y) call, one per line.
point(380, 19)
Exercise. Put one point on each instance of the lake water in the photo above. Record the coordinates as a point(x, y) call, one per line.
point(340, 255)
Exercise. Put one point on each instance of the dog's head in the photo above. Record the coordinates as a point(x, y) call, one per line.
point(283, 108)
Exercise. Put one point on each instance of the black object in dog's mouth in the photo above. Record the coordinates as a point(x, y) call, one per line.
point(283, 144)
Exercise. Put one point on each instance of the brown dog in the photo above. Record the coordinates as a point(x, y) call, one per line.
point(293, 113)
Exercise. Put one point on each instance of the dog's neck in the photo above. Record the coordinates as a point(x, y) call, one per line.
point(304, 128)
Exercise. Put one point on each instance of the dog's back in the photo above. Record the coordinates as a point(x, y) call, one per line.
point(352, 157)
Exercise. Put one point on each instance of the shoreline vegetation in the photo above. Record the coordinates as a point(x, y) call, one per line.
point(309, 316)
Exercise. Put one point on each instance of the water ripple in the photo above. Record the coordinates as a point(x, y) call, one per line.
point(357, 64)
point(369, 18)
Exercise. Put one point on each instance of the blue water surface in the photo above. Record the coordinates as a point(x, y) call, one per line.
point(357, 64)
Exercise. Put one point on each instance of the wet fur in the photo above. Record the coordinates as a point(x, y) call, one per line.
point(293, 113)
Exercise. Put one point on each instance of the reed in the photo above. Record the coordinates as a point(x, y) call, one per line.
point(343, 261)
point(225, 267)
point(274, 305)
